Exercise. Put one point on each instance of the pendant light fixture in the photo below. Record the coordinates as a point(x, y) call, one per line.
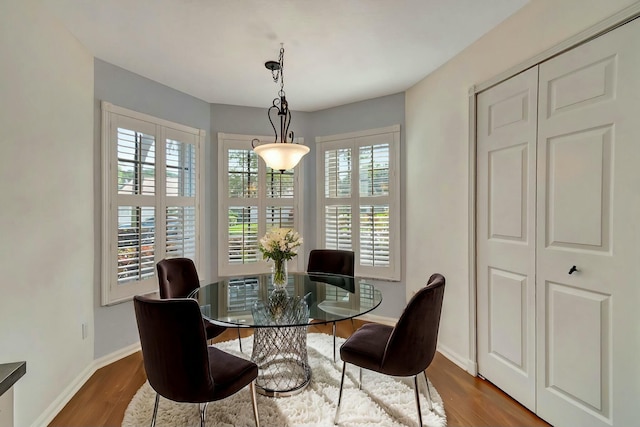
point(284, 153)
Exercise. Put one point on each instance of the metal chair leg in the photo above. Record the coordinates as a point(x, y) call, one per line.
point(335, 419)
point(203, 410)
point(239, 340)
point(334, 342)
point(426, 380)
point(155, 410)
point(417, 393)
point(254, 402)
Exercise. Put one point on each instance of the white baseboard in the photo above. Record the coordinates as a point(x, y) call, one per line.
point(50, 413)
point(472, 368)
point(116, 355)
point(462, 362)
point(63, 398)
point(379, 319)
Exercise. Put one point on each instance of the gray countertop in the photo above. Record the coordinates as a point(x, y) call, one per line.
point(10, 373)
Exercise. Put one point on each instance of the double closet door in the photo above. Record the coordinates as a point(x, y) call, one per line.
point(558, 234)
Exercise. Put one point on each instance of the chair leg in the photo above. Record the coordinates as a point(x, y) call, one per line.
point(360, 382)
point(335, 419)
point(426, 380)
point(155, 410)
point(254, 402)
point(239, 340)
point(203, 411)
point(334, 342)
point(415, 389)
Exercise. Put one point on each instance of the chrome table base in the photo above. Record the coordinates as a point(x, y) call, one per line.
point(281, 356)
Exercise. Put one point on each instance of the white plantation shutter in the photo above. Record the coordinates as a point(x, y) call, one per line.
point(374, 188)
point(242, 173)
point(280, 212)
point(280, 185)
point(135, 147)
point(181, 229)
point(151, 199)
point(374, 235)
point(337, 225)
point(337, 173)
point(338, 180)
point(279, 217)
point(136, 244)
point(358, 191)
point(180, 169)
point(252, 199)
point(241, 244)
point(136, 160)
point(243, 235)
point(374, 170)
point(181, 232)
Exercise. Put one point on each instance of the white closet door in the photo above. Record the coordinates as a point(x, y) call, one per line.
point(588, 212)
point(506, 168)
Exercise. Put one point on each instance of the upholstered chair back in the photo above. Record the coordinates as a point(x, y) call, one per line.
point(331, 261)
point(174, 348)
point(177, 277)
point(412, 344)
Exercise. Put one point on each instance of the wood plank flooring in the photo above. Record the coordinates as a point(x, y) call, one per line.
point(468, 401)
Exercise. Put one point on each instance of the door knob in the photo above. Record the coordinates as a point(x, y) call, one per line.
point(573, 269)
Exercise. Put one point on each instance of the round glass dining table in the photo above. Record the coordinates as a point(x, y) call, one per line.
point(280, 318)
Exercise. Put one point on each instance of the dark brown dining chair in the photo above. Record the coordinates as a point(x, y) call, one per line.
point(177, 278)
point(332, 261)
point(404, 350)
point(179, 364)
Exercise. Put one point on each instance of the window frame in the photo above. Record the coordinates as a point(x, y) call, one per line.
point(353, 141)
point(111, 291)
point(227, 141)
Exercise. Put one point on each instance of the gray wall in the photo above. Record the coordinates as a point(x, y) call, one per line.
point(370, 114)
point(245, 121)
point(115, 325)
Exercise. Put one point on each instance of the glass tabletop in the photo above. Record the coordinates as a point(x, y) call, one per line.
point(252, 301)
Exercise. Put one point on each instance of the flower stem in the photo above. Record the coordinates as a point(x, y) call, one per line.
point(279, 272)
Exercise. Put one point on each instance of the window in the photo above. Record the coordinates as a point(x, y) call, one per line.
point(252, 199)
point(359, 198)
point(150, 199)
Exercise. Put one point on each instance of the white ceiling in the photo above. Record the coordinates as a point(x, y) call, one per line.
point(336, 51)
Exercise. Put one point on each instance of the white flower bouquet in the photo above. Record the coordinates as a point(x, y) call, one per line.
point(280, 245)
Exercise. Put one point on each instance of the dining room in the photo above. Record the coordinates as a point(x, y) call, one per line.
point(64, 315)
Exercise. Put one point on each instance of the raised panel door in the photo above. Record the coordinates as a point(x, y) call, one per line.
point(588, 211)
point(506, 151)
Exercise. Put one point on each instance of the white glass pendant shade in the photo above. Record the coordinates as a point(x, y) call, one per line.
point(281, 156)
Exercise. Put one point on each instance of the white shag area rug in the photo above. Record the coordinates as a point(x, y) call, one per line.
point(383, 401)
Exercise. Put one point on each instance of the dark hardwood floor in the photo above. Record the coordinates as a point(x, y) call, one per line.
point(468, 401)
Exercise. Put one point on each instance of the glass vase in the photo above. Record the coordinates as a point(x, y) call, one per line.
point(279, 273)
